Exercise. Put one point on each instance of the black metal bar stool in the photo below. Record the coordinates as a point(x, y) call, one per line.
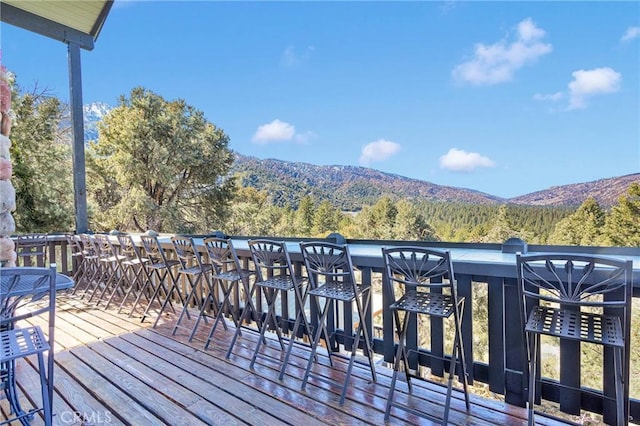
point(277, 277)
point(420, 281)
point(332, 279)
point(31, 249)
point(578, 299)
point(225, 274)
point(134, 269)
point(159, 269)
point(195, 272)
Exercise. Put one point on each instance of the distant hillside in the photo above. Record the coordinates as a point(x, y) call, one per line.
point(348, 187)
point(605, 191)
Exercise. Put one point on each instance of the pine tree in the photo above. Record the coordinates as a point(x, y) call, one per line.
point(159, 165)
point(623, 223)
point(42, 168)
point(304, 216)
point(583, 228)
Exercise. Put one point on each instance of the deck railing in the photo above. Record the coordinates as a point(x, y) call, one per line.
point(491, 325)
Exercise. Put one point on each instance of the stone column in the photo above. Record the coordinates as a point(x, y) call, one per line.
point(7, 191)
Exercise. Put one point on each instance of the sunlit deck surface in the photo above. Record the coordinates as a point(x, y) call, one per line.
point(111, 369)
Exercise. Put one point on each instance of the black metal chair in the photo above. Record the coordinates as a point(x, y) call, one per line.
point(226, 272)
point(276, 277)
point(21, 292)
point(31, 249)
point(112, 277)
point(159, 269)
point(195, 271)
point(332, 280)
point(420, 281)
point(578, 298)
point(78, 261)
point(135, 271)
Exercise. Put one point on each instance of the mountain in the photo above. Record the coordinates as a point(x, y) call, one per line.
point(351, 187)
point(93, 114)
point(605, 191)
point(348, 187)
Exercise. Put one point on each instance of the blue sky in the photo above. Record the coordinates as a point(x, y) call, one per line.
point(502, 97)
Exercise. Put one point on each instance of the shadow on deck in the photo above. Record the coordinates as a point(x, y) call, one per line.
point(111, 369)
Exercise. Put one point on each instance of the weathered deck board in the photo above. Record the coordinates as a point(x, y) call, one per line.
point(112, 367)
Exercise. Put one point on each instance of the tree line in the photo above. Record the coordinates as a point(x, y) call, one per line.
point(161, 165)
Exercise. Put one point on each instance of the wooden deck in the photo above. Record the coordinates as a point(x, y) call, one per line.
point(111, 369)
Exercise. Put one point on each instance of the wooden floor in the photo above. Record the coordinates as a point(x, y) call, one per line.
point(111, 369)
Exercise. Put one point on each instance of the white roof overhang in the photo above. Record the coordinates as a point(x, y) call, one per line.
point(77, 22)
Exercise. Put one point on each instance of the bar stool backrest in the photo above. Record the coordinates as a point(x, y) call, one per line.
point(419, 269)
point(575, 280)
point(88, 246)
point(103, 246)
point(154, 251)
point(32, 249)
point(128, 247)
point(270, 258)
point(222, 255)
point(187, 253)
point(73, 243)
point(328, 262)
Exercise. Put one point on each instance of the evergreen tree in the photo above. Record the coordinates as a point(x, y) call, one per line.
point(410, 224)
point(623, 223)
point(583, 228)
point(377, 221)
point(502, 229)
point(325, 219)
point(159, 165)
point(304, 216)
point(42, 167)
point(246, 210)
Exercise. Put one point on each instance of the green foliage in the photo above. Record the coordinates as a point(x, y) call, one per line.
point(584, 227)
point(502, 229)
point(325, 219)
point(465, 222)
point(590, 225)
point(159, 165)
point(42, 170)
point(304, 216)
point(623, 223)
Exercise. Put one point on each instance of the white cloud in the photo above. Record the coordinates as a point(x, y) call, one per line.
point(497, 63)
point(377, 151)
point(587, 83)
point(275, 131)
point(280, 131)
point(458, 160)
point(290, 58)
point(630, 34)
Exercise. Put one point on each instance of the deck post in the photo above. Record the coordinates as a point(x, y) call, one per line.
point(77, 122)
